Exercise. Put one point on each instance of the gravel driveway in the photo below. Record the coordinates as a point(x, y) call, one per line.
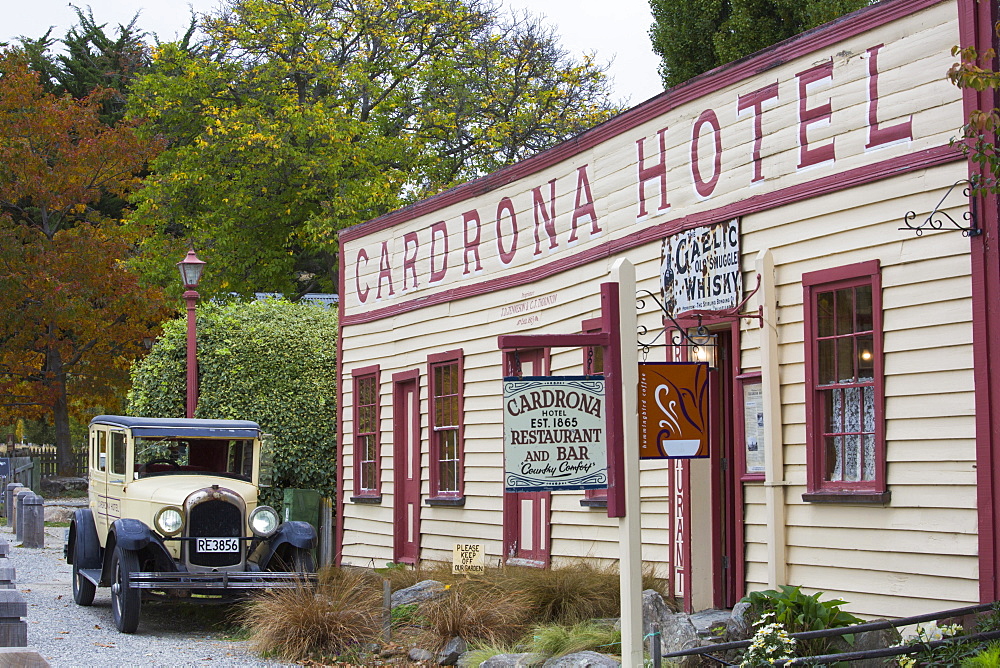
point(66, 634)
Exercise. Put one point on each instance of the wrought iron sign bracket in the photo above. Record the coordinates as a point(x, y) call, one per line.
point(939, 219)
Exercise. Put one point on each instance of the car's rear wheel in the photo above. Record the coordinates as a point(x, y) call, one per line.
point(83, 589)
point(125, 599)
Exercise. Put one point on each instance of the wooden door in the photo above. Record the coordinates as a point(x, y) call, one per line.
point(727, 499)
point(526, 515)
point(406, 467)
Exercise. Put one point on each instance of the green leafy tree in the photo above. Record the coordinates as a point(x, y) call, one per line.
point(74, 315)
point(271, 361)
point(978, 72)
point(293, 119)
point(694, 36)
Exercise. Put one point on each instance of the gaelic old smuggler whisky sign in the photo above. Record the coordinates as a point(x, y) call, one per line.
point(554, 433)
point(700, 269)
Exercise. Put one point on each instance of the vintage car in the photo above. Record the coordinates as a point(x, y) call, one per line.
point(173, 514)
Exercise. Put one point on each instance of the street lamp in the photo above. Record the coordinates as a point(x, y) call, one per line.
point(190, 268)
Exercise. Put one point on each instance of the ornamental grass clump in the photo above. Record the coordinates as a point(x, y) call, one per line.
point(558, 640)
point(478, 613)
point(341, 613)
point(771, 643)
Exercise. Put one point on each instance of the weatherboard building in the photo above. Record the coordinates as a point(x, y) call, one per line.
point(852, 399)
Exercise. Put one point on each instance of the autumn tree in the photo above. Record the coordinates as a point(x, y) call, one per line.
point(694, 36)
point(297, 118)
point(977, 70)
point(74, 315)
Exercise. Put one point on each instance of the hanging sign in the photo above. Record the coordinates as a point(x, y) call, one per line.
point(554, 434)
point(700, 269)
point(673, 410)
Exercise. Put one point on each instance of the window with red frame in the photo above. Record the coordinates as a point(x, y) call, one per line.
point(844, 376)
point(445, 378)
point(366, 428)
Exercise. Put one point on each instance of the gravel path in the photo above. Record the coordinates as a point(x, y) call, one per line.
point(66, 634)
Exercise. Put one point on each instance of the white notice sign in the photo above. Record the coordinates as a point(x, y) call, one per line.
point(468, 558)
point(554, 433)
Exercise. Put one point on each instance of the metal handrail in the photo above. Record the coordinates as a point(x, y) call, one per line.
point(857, 628)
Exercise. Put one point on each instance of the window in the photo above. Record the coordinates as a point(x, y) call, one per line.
point(101, 450)
point(446, 384)
point(367, 478)
point(118, 453)
point(843, 335)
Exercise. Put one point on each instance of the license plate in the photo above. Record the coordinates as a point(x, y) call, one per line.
point(217, 545)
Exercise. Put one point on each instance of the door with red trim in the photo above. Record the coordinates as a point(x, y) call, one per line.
point(726, 495)
point(406, 467)
point(526, 515)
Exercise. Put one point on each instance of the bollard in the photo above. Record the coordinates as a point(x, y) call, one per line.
point(33, 524)
point(19, 513)
point(8, 500)
point(13, 629)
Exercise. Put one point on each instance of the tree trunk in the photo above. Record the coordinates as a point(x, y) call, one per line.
point(65, 461)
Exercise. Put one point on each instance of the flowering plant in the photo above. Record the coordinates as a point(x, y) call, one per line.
point(950, 655)
point(771, 643)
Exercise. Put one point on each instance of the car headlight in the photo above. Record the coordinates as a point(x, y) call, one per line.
point(264, 521)
point(169, 521)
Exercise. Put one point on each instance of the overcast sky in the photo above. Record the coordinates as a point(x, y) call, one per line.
point(614, 30)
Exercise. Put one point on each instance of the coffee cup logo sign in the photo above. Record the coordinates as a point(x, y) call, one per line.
point(673, 410)
point(700, 269)
point(554, 434)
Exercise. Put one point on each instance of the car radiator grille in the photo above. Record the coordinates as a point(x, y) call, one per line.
point(214, 519)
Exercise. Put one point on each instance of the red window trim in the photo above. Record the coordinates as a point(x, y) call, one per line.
point(367, 495)
point(818, 489)
point(434, 360)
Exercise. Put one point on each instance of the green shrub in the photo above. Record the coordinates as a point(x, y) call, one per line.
point(558, 640)
point(988, 657)
point(798, 612)
point(270, 361)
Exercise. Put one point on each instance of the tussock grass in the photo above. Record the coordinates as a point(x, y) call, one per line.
point(477, 612)
point(343, 611)
point(558, 640)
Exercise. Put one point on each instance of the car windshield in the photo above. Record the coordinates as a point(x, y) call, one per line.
point(212, 456)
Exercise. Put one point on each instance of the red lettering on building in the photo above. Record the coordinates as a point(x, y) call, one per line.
point(410, 260)
point(439, 230)
point(810, 115)
point(703, 186)
point(385, 271)
point(472, 242)
point(879, 136)
point(362, 294)
point(543, 218)
point(755, 101)
point(584, 207)
point(657, 171)
point(506, 205)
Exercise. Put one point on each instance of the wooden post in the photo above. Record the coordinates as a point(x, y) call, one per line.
point(33, 525)
point(13, 628)
point(19, 513)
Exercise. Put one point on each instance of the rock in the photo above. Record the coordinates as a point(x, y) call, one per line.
point(586, 659)
point(740, 626)
point(58, 513)
point(448, 656)
point(425, 590)
point(525, 660)
point(654, 610)
point(419, 654)
point(865, 641)
point(56, 486)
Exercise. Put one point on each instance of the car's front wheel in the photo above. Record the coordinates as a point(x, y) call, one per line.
point(125, 599)
point(83, 589)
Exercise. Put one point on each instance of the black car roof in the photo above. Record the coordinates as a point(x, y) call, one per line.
point(147, 426)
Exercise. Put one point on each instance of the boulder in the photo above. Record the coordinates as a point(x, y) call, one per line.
point(57, 486)
point(425, 590)
point(740, 626)
point(868, 640)
point(454, 648)
point(59, 513)
point(586, 659)
point(525, 660)
point(419, 655)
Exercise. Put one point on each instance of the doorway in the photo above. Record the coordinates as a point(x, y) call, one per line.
point(526, 515)
point(406, 467)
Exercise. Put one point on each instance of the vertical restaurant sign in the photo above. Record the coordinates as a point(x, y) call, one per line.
point(700, 268)
point(673, 410)
point(554, 434)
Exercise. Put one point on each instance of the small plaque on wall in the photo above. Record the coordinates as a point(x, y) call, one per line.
point(753, 429)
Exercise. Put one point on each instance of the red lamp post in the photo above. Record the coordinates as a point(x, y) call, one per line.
point(190, 268)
